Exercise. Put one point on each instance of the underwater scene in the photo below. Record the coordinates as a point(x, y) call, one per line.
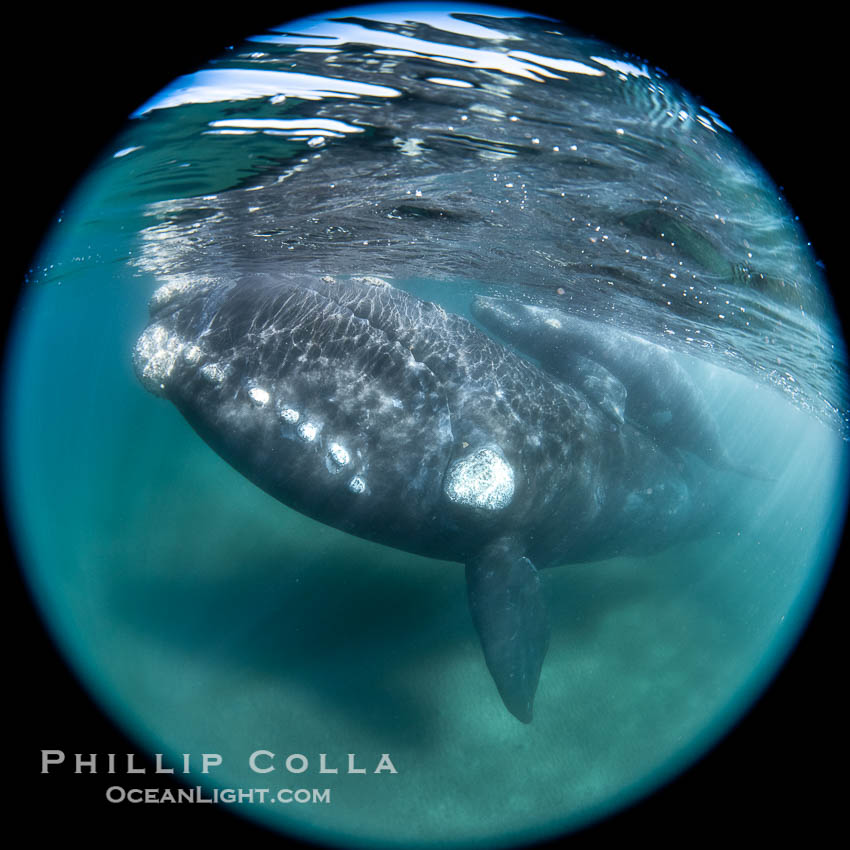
point(433, 412)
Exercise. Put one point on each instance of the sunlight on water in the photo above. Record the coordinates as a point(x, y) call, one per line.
point(207, 617)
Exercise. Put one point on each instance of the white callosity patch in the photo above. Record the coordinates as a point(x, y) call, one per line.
point(154, 356)
point(259, 397)
point(338, 457)
point(289, 415)
point(357, 485)
point(169, 291)
point(192, 354)
point(213, 373)
point(308, 431)
point(483, 479)
point(371, 280)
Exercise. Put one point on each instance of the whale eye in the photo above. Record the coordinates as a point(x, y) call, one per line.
point(483, 479)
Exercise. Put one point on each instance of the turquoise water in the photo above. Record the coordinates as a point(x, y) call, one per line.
point(207, 617)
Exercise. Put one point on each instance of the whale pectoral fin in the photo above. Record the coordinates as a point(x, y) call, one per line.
point(511, 618)
point(602, 388)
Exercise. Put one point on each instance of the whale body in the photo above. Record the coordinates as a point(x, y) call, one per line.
point(377, 413)
point(631, 378)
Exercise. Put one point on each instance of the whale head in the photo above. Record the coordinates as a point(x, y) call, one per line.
point(508, 318)
point(315, 404)
point(520, 323)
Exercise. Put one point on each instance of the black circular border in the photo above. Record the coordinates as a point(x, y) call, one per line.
point(774, 78)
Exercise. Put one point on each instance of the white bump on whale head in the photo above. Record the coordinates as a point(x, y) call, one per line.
point(259, 397)
point(372, 281)
point(357, 485)
point(168, 291)
point(338, 457)
point(214, 373)
point(553, 323)
point(289, 414)
point(155, 353)
point(483, 479)
point(308, 431)
point(192, 354)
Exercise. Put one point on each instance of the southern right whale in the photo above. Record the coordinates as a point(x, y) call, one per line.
point(385, 416)
point(630, 378)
